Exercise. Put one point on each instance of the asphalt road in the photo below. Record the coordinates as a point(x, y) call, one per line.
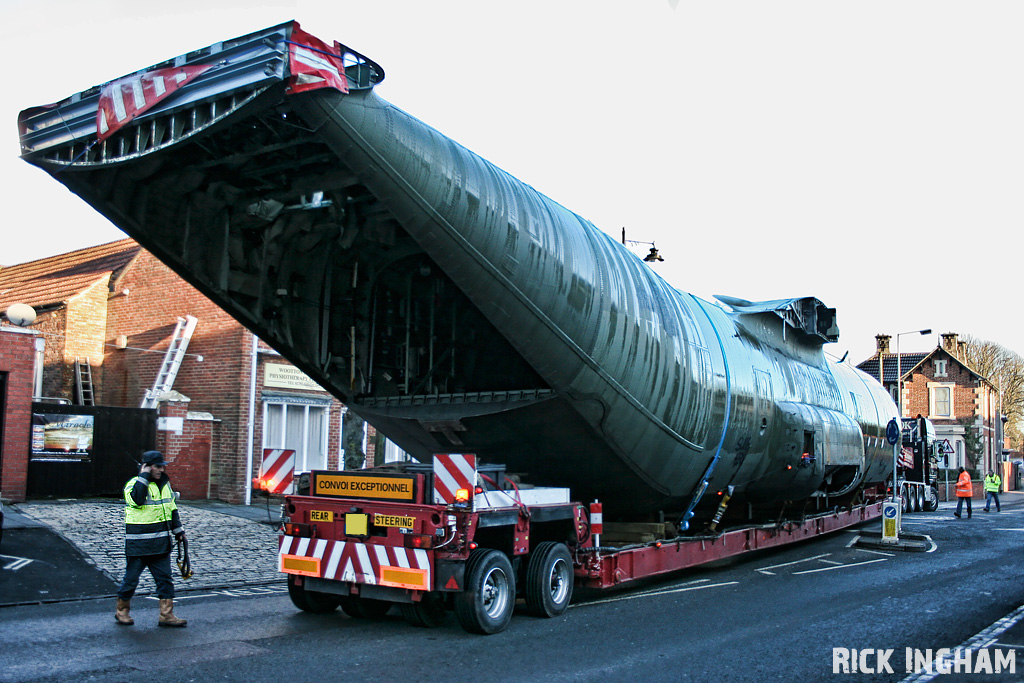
point(772, 616)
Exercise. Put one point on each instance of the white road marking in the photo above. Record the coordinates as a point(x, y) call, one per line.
point(242, 591)
point(765, 570)
point(986, 638)
point(854, 564)
point(650, 593)
point(15, 562)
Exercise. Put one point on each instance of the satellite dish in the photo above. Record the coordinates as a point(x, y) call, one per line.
point(21, 315)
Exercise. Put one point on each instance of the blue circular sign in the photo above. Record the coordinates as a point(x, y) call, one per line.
point(892, 432)
point(890, 511)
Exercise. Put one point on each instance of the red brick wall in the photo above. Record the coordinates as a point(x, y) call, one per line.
point(218, 384)
point(17, 360)
point(189, 452)
point(968, 400)
point(57, 377)
point(86, 319)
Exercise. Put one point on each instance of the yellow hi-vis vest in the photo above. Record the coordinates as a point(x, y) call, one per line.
point(150, 526)
point(993, 483)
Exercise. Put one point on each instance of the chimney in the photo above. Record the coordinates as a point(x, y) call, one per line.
point(882, 343)
point(949, 343)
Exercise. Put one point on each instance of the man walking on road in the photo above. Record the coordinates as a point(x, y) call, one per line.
point(993, 482)
point(964, 491)
point(151, 519)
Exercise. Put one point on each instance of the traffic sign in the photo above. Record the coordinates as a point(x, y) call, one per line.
point(892, 432)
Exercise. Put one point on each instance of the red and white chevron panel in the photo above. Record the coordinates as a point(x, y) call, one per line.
point(906, 457)
point(277, 470)
point(122, 100)
point(357, 562)
point(453, 471)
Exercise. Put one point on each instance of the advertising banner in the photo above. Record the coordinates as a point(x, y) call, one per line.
point(62, 437)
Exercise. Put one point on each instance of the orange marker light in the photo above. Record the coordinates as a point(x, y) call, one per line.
point(462, 496)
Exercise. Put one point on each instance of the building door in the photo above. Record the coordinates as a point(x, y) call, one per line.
point(301, 427)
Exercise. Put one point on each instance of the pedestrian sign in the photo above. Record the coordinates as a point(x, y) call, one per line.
point(945, 448)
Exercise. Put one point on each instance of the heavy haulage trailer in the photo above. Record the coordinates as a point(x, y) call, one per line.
point(459, 310)
point(459, 536)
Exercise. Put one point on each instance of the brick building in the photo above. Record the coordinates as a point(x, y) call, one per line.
point(109, 313)
point(17, 378)
point(940, 385)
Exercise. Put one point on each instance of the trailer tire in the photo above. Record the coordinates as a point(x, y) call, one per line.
point(905, 495)
point(310, 601)
point(486, 605)
point(549, 580)
point(931, 499)
point(364, 608)
point(427, 613)
point(919, 499)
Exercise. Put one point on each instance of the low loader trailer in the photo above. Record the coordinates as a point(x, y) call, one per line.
point(458, 535)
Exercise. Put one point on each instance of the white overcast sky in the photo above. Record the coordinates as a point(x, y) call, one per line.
point(867, 153)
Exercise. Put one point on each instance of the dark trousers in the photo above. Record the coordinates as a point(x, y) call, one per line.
point(960, 504)
point(159, 566)
point(989, 497)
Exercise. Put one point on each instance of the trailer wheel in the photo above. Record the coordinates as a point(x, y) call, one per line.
point(549, 578)
point(919, 499)
point(486, 604)
point(931, 499)
point(427, 613)
point(904, 490)
point(310, 601)
point(364, 608)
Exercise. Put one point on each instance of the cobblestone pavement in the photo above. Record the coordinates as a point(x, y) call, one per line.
point(225, 550)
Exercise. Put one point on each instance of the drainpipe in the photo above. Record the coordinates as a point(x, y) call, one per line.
point(251, 426)
point(37, 388)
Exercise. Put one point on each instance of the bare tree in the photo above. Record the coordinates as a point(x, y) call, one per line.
point(1005, 369)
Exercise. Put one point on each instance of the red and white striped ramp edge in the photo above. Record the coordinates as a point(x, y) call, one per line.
point(355, 562)
point(124, 99)
point(278, 469)
point(453, 471)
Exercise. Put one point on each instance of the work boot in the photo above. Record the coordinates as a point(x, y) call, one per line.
point(121, 615)
point(167, 617)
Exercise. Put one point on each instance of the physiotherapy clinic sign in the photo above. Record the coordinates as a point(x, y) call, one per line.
point(287, 377)
point(58, 437)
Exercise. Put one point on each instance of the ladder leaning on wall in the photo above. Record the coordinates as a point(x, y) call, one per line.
point(172, 360)
point(83, 383)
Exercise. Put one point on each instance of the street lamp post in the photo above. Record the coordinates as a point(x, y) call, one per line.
point(899, 368)
point(899, 402)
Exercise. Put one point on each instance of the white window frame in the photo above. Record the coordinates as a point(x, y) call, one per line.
point(294, 403)
point(933, 388)
point(940, 367)
point(392, 453)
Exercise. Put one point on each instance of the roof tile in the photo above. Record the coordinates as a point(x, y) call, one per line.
point(56, 279)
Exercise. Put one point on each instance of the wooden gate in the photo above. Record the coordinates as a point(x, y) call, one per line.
point(79, 451)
